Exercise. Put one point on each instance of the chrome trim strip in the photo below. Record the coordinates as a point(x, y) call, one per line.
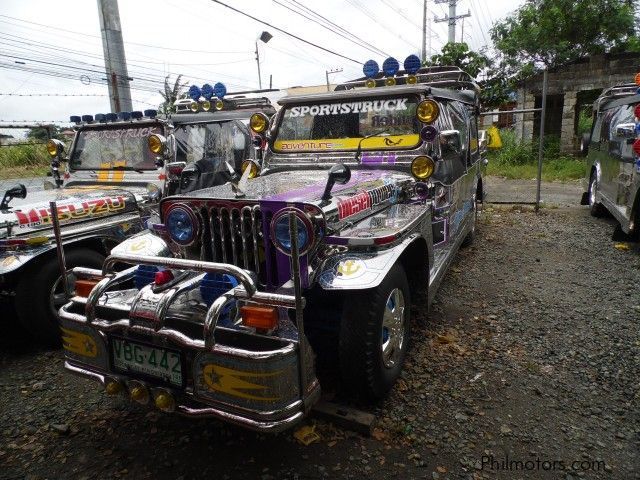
point(100, 288)
point(232, 236)
point(254, 233)
point(223, 240)
point(243, 234)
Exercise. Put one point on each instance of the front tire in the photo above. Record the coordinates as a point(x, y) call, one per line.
point(374, 337)
point(595, 208)
point(39, 294)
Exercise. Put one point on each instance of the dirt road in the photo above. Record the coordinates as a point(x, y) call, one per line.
point(527, 367)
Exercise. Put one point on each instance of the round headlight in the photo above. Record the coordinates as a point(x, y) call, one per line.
point(390, 82)
point(370, 83)
point(54, 147)
point(219, 104)
point(182, 225)
point(412, 80)
point(156, 143)
point(194, 107)
point(206, 105)
point(422, 167)
point(253, 168)
point(281, 233)
point(258, 122)
point(427, 111)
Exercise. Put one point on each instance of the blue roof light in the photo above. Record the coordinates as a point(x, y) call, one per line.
point(87, 118)
point(390, 67)
point(370, 68)
point(124, 115)
point(151, 113)
point(194, 92)
point(207, 91)
point(111, 117)
point(412, 64)
point(136, 114)
point(75, 118)
point(100, 117)
point(219, 90)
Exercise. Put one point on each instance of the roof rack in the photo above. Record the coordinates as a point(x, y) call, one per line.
point(437, 76)
point(617, 91)
point(233, 103)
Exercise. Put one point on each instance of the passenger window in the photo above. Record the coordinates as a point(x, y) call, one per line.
point(597, 127)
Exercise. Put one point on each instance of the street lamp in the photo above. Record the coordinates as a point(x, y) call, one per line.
point(264, 37)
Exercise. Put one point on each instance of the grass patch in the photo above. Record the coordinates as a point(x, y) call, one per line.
point(519, 160)
point(23, 161)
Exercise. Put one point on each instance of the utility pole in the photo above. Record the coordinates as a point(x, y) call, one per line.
point(424, 32)
point(451, 18)
point(115, 62)
point(328, 72)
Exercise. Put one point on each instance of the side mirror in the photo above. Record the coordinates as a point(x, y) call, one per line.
point(626, 130)
point(19, 191)
point(450, 141)
point(340, 174)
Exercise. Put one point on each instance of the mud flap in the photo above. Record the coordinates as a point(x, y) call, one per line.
point(585, 199)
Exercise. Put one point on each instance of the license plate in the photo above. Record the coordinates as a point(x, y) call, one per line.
point(152, 361)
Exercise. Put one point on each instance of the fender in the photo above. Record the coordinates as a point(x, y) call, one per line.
point(144, 243)
point(359, 270)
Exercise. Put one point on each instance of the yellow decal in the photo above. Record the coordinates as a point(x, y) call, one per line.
point(118, 175)
point(106, 174)
point(229, 381)
point(8, 261)
point(351, 268)
point(79, 343)
point(387, 142)
point(103, 173)
point(140, 245)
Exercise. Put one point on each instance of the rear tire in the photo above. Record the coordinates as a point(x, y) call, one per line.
point(374, 337)
point(39, 294)
point(595, 208)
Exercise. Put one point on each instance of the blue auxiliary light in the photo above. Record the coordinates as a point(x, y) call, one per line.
point(111, 117)
point(124, 115)
point(151, 113)
point(136, 114)
point(412, 64)
point(207, 91)
point(212, 286)
point(87, 118)
point(100, 117)
point(390, 67)
point(370, 68)
point(194, 92)
point(219, 90)
point(75, 119)
point(144, 275)
point(637, 129)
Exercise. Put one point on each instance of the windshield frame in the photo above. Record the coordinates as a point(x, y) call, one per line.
point(114, 126)
point(343, 99)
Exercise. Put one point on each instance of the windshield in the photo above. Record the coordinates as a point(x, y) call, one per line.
point(342, 125)
point(215, 142)
point(114, 148)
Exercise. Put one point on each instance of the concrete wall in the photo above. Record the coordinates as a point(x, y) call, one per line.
point(596, 72)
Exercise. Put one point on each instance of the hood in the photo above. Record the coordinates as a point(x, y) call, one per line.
point(74, 205)
point(304, 186)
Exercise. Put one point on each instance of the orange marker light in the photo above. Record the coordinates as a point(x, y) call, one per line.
point(84, 286)
point(262, 318)
point(637, 78)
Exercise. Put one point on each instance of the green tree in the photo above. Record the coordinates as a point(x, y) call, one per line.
point(41, 134)
point(553, 32)
point(170, 94)
point(458, 54)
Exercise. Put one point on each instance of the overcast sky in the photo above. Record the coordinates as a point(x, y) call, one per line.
point(206, 43)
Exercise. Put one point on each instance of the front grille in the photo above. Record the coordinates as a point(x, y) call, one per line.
point(234, 235)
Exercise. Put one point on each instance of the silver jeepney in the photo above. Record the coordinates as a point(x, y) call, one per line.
point(241, 284)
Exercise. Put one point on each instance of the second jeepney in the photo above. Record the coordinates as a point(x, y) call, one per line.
point(310, 259)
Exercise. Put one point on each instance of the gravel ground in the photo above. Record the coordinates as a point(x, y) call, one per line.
point(531, 353)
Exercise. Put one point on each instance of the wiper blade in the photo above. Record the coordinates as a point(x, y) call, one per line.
point(376, 134)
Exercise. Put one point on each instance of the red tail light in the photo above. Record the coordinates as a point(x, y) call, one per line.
point(162, 277)
point(636, 146)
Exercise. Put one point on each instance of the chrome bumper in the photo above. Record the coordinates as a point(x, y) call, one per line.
point(292, 359)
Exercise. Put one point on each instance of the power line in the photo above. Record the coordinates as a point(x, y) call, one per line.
point(368, 13)
point(286, 33)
